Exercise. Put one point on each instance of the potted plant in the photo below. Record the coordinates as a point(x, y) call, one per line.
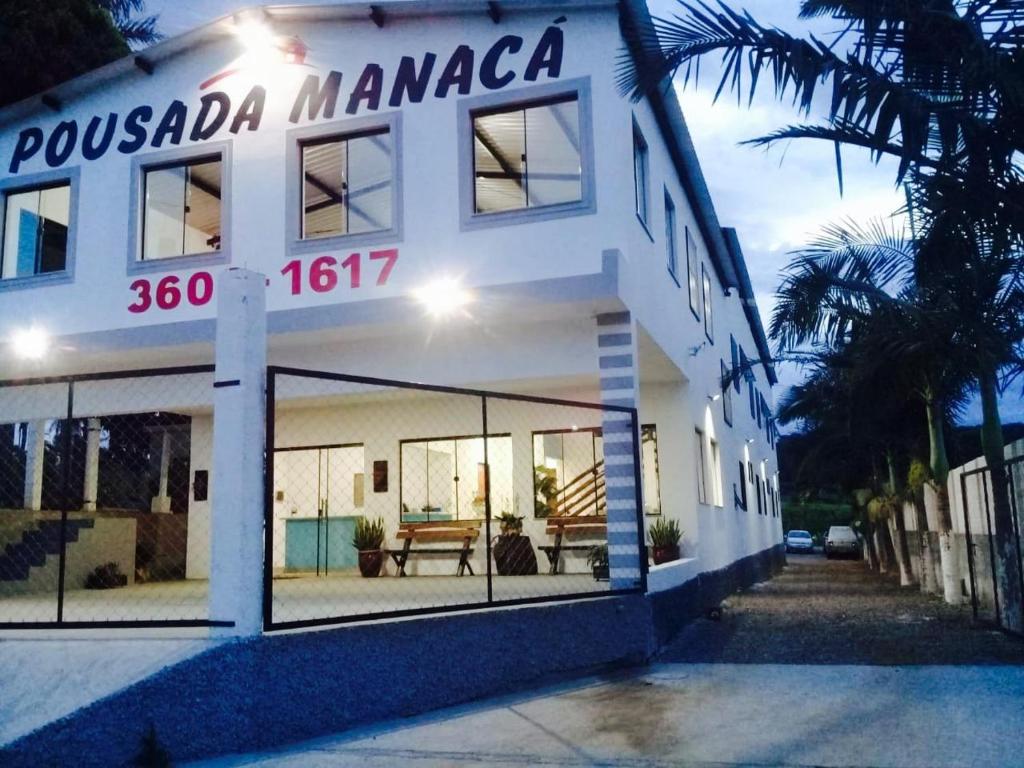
point(597, 559)
point(513, 552)
point(665, 536)
point(368, 539)
point(106, 576)
point(546, 484)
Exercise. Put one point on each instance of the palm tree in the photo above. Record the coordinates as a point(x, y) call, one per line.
point(937, 84)
point(864, 282)
point(137, 31)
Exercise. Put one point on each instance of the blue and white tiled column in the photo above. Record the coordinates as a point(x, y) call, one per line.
point(617, 358)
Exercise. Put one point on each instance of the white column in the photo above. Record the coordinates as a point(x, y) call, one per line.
point(617, 365)
point(35, 448)
point(162, 502)
point(92, 464)
point(236, 554)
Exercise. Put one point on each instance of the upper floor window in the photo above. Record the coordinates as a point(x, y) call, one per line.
point(692, 274)
point(702, 470)
point(347, 184)
point(640, 173)
point(35, 230)
point(527, 156)
point(181, 211)
point(709, 329)
point(670, 237)
point(726, 387)
point(741, 494)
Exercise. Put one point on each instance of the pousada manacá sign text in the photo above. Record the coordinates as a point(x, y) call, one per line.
point(411, 81)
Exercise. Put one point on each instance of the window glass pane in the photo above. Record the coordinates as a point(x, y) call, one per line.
point(708, 324)
point(692, 276)
point(702, 473)
point(36, 231)
point(568, 472)
point(444, 479)
point(553, 173)
point(651, 473)
point(499, 153)
point(182, 210)
point(347, 185)
point(670, 233)
point(640, 174)
point(527, 157)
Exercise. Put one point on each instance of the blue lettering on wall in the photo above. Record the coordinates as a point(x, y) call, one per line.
point(317, 98)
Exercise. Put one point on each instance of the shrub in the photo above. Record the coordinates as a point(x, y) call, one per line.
point(665, 533)
point(369, 534)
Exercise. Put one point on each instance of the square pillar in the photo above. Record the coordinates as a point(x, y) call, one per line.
point(617, 360)
point(35, 449)
point(92, 464)
point(239, 437)
point(162, 502)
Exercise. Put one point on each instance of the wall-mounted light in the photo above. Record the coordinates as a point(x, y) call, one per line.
point(750, 441)
point(30, 343)
point(443, 297)
point(714, 397)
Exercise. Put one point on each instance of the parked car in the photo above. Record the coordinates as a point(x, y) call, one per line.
point(842, 540)
point(799, 541)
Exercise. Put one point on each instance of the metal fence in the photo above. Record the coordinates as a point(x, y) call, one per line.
point(479, 499)
point(976, 497)
point(104, 499)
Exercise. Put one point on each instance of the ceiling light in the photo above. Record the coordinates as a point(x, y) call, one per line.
point(443, 297)
point(30, 343)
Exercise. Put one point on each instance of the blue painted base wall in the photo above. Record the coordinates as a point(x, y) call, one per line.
point(273, 690)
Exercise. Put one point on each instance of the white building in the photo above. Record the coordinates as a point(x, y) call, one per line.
point(452, 193)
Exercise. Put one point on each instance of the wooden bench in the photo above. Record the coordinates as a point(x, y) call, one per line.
point(565, 525)
point(465, 531)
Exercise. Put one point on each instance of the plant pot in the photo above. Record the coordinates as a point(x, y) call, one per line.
point(600, 572)
point(665, 554)
point(370, 562)
point(514, 555)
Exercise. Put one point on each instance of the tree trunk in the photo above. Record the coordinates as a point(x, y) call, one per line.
point(939, 462)
point(924, 545)
point(1008, 566)
point(898, 531)
point(870, 554)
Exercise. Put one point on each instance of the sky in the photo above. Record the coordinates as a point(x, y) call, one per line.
point(777, 199)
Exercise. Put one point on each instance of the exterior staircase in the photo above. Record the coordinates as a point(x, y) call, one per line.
point(39, 541)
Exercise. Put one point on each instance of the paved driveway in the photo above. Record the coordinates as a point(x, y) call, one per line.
point(820, 667)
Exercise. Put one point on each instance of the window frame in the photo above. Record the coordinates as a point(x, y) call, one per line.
point(692, 275)
point(717, 493)
point(37, 181)
point(671, 240)
point(657, 467)
point(707, 289)
point(152, 161)
point(595, 433)
point(702, 472)
point(520, 98)
point(295, 244)
point(641, 186)
point(725, 385)
point(740, 499)
point(455, 439)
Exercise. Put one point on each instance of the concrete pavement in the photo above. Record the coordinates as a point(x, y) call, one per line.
point(708, 715)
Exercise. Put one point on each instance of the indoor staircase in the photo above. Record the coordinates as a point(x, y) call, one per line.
point(583, 495)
